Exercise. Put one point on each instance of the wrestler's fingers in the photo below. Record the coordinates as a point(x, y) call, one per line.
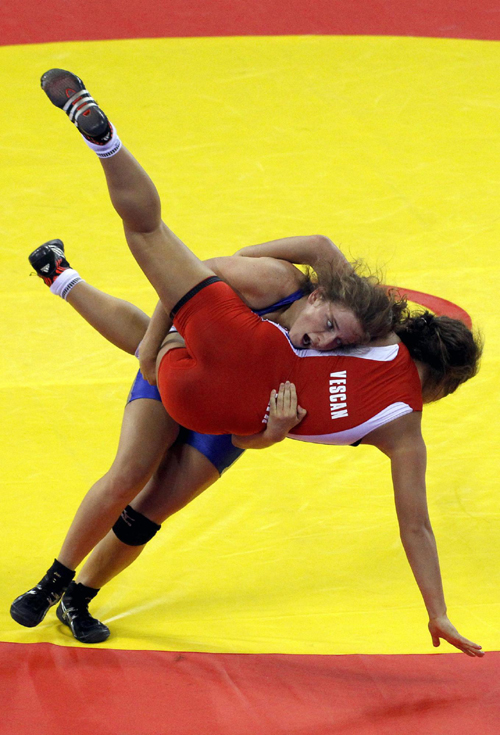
point(442, 628)
point(292, 398)
point(280, 400)
point(295, 409)
point(276, 401)
point(468, 647)
point(283, 402)
point(289, 399)
point(301, 413)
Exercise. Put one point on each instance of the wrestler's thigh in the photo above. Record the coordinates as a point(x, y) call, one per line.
point(171, 267)
point(184, 473)
point(146, 430)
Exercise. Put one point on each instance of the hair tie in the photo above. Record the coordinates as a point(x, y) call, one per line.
point(425, 320)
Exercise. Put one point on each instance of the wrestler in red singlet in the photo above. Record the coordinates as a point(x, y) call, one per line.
point(221, 381)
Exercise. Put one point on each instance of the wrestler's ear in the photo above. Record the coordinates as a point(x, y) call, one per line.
point(318, 293)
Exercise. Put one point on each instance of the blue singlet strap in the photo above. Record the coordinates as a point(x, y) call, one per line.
point(280, 304)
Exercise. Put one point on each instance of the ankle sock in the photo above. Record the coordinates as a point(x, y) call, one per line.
point(107, 150)
point(59, 576)
point(79, 593)
point(65, 282)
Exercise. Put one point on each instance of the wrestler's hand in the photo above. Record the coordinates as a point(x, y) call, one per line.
point(284, 412)
point(442, 628)
point(147, 363)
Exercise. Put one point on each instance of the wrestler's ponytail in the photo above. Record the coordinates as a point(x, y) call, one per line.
point(449, 349)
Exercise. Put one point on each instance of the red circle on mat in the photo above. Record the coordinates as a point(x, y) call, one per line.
point(439, 306)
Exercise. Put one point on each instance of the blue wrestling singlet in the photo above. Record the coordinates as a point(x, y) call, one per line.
point(279, 304)
point(217, 448)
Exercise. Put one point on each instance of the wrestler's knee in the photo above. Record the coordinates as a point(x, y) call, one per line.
point(126, 479)
point(133, 528)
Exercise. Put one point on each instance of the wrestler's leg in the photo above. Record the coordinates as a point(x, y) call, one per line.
point(183, 474)
point(146, 430)
point(119, 321)
point(169, 265)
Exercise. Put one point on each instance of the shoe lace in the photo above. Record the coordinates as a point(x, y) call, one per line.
point(78, 610)
point(83, 623)
point(47, 596)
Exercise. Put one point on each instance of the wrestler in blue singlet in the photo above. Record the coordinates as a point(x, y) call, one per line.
point(218, 449)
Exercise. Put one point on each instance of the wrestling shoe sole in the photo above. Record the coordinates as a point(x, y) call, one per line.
point(96, 631)
point(67, 91)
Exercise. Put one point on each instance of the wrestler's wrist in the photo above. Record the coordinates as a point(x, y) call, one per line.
point(273, 436)
point(255, 441)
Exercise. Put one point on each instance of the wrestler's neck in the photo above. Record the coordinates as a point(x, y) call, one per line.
point(433, 393)
point(390, 339)
point(287, 315)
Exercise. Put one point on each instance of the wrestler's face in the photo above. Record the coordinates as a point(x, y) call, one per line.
point(325, 325)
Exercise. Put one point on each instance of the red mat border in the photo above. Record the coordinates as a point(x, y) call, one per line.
point(52, 20)
point(50, 689)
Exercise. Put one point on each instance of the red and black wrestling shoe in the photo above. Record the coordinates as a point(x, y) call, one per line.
point(67, 91)
point(49, 261)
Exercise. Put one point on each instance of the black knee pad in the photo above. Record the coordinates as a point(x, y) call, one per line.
point(133, 528)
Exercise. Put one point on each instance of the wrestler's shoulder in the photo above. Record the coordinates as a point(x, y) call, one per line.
point(259, 281)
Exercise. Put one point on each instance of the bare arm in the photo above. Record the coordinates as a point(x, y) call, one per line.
point(402, 441)
point(308, 250)
point(158, 328)
point(408, 465)
point(259, 281)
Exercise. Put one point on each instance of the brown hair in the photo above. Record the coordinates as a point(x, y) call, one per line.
point(377, 309)
point(448, 348)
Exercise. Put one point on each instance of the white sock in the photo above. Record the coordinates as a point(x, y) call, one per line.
point(65, 282)
point(109, 149)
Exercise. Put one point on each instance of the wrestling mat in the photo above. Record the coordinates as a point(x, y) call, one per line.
point(280, 601)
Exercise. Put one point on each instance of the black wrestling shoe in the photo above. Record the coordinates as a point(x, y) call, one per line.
point(30, 608)
point(49, 261)
point(67, 91)
point(73, 611)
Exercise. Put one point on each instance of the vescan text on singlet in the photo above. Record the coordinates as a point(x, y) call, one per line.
point(338, 397)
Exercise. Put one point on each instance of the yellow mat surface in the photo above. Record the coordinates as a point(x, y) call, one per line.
point(391, 147)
